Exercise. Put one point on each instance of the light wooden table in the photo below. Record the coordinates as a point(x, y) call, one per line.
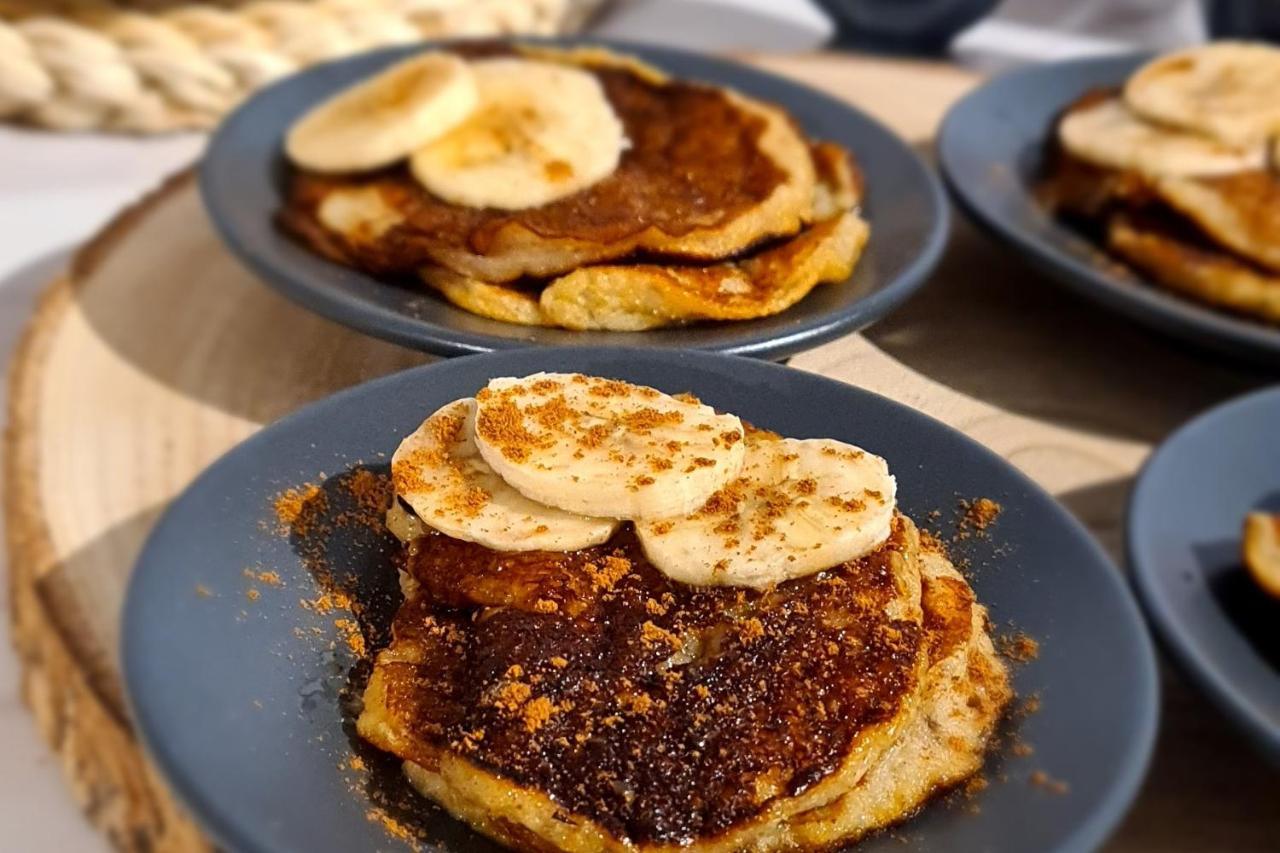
point(158, 352)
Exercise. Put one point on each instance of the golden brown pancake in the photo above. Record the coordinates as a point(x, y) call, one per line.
point(708, 174)
point(590, 702)
point(648, 294)
point(1194, 267)
point(966, 690)
point(1213, 239)
point(632, 297)
point(796, 718)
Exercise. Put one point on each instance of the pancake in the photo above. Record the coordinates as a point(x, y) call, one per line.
point(650, 294)
point(708, 174)
point(1215, 239)
point(945, 742)
point(1195, 268)
point(1241, 211)
point(585, 702)
point(632, 297)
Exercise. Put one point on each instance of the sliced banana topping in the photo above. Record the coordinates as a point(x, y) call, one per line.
point(605, 447)
point(1227, 90)
point(1108, 134)
point(542, 131)
point(385, 118)
point(439, 472)
point(799, 506)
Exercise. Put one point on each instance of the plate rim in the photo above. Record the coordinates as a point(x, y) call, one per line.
point(1088, 835)
point(428, 336)
point(1149, 304)
point(1182, 644)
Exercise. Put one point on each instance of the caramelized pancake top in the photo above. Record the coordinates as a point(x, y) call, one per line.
point(662, 712)
point(697, 161)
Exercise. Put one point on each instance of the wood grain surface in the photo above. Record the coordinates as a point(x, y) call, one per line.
point(158, 352)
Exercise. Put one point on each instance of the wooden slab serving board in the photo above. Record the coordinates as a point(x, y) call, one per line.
point(157, 352)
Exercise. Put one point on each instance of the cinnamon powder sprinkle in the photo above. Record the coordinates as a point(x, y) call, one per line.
point(292, 508)
point(976, 516)
point(1020, 648)
point(391, 826)
point(1043, 780)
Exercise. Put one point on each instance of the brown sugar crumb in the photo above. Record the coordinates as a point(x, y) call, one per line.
point(976, 516)
point(752, 629)
point(661, 527)
point(651, 633)
point(292, 505)
point(268, 578)
point(501, 423)
point(356, 763)
point(606, 575)
point(700, 462)
point(536, 713)
point(391, 826)
point(511, 695)
point(203, 591)
point(1021, 750)
point(850, 505)
point(545, 605)
point(469, 500)
point(327, 602)
point(351, 636)
point(975, 785)
point(654, 607)
point(1043, 780)
point(252, 594)
point(1020, 648)
point(559, 662)
point(807, 486)
point(636, 703)
point(931, 544)
point(541, 528)
point(645, 421)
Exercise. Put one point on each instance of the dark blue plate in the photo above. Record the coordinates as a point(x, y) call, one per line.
point(1184, 527)
point(990, 149)
point(241, 178)
point(243, 715)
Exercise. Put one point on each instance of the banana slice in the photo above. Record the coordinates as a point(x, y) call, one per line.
point(542, 132)
point(385, 118)
point(800, 506)
point(1108, 134)
point(1262, 550)
point(1226, 90)
point(439, 472)
point(604, 447)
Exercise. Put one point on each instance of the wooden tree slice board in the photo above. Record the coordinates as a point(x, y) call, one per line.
point(158, 352)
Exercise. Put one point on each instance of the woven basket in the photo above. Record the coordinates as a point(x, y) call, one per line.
point(152, 66)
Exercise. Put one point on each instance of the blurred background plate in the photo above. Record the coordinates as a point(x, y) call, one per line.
point(990, 150)
point(241, 176)
point(221, 681)
point(1184, 533)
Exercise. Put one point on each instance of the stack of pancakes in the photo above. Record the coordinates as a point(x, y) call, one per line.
point(587, 701)
point(1175, 174)
point(720, 209)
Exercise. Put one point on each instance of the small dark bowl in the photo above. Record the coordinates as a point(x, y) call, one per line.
point(241, 179)
point(1184, 530)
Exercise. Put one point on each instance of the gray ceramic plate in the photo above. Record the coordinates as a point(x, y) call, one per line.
point(240, 705)
point(241, 174)
point(1184, 547)
point(990, 149)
